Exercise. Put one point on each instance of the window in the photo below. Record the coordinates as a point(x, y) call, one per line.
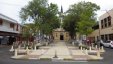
point(1, 21)
point(102, 24)
point(109, 20)
point(110, 36)
point(17, 27)
point(105, 22)
point(102, 37)
point(11, 25)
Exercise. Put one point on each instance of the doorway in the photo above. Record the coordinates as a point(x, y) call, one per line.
point(61, 37)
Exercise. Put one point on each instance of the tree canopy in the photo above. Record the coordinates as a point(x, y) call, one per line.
point(79, 18)
point(42, 14)
point(82, 16)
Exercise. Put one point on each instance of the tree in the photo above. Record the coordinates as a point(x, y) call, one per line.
point(29, 30)
point(70, 25)
point(42, 14)
point(83, 15)
point(34, 10)
point(51, 20)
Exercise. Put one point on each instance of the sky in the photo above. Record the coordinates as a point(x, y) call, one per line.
point(11, 8)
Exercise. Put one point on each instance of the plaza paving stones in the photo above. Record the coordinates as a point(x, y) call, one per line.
point(38, 52)
point(59, 50)
point(72, 48)
point(81, 57)
point(77, 52)
point(31, 56)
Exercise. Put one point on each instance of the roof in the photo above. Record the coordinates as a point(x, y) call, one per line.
point(4, 17)
point(59, 29)
point(106, 14)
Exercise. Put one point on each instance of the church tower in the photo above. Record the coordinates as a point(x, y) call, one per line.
point(60, 34)
point(61, 15)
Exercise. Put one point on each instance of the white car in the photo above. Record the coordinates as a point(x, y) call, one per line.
point(108, 43)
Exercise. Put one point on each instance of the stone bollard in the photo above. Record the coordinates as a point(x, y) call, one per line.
point(92, 45)
point(86, 52)
point(96, 46)
point(18, 46)
point(98, 53)
point(26, 47)
point(27, 50)
point(35, 47)
point(81, 48)
point(102, 49)
point(55, 56)
point(90, 48)
point(73, 43)
point(12, 48)
point(15, 54)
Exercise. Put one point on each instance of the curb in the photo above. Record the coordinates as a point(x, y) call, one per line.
point(51, 59)
point(45, 59)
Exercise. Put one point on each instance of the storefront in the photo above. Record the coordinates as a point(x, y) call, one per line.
point(8, 37)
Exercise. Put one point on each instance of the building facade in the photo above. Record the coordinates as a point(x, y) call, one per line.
point(8, 28)
point(105, 30)
point(60, 34)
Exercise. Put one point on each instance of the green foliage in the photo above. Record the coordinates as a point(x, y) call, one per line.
point(30, 29)
point(70, 24)
point(51, 21)
point(83, 15)
point(34, 10)
point(43, 15)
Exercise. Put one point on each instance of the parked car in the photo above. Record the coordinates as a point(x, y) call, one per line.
point(99, 43)
point(108, 43)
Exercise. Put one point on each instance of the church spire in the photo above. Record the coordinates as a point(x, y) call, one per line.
point(61, 17)
point(61, 9)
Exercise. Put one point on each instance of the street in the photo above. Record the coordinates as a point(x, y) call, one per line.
point(5, 58)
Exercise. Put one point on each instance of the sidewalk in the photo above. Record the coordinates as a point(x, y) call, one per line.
point(60, 49)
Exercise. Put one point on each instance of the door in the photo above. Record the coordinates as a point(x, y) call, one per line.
point(61, 37)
